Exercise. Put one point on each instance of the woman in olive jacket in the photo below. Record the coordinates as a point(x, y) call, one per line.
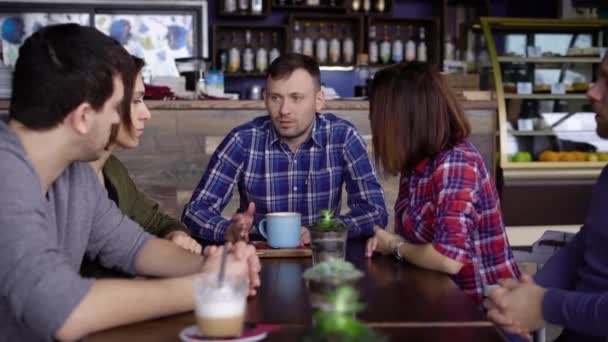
point(121, 188)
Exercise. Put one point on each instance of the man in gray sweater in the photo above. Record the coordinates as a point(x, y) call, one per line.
point(67, 87)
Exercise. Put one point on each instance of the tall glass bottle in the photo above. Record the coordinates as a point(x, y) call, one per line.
point(385, 47)
point(248, 56)
point(229, 6)
point(307, 44)
point(222, 55)
point(397, 49)
point(244, 5)
point(274, 52)
point(373, 45)
point(261, 56)
point(234, 56)
point(296, 41)
point(421, 53)
point(321, 45)
point(348, 48)
point(313, 2)
point(367, 5)
point(334, 46)
point(256, 6)
point(380, 5)
point(410, 46)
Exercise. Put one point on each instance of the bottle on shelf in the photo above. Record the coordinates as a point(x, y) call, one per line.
point(230, 6)
point(410, 46)
point(525, 122)
point(380, 5)
point(385, 47)
point(244, 5)
point(421, 53)
point(234, 56)
point(321, 46)
point(470, 53)
point(356, 5)
point(483, 58)
point(248, 57)
point(222, 55)
point(397, 49)
point(449, 48)
point(367, 5)
point(334, 46)
point(274, 52)
point(296, 41)
point(373, 45)
point(200, 84)
point(313, 2)
point(362, 71)
point(307, 44)
point(348, 47)
point(261, 57)
point(256, 6)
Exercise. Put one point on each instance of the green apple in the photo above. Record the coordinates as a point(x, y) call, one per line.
point(522, 156)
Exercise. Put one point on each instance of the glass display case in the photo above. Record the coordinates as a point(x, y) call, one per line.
point(542, 69)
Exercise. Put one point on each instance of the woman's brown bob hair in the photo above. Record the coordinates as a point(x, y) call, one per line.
point(129, 77)
point(413, 115)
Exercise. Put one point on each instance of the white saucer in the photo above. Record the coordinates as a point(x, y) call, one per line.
point(192, 334)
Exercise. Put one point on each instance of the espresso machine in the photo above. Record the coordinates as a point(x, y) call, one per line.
point(192, 68)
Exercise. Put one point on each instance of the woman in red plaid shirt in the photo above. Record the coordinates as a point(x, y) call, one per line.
point(447, 214)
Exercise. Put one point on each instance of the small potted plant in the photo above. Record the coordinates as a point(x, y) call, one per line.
point(326, 277)
point(339, 324)
point(328, 238)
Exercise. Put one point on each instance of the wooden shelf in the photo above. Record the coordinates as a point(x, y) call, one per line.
point(555, 165)
point(546, 96)
point(554, 60)
point(545, 132)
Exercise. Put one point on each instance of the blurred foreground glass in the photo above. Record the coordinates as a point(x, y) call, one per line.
point(220, 308)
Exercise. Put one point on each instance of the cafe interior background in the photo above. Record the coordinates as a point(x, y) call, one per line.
point(521, 81)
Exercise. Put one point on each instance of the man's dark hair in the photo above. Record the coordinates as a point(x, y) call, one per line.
point(61, 66)
point(286, 64)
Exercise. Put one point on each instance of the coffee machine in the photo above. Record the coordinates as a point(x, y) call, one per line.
point(192, 68)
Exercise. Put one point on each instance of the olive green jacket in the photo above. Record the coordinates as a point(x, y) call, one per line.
point(134, 204)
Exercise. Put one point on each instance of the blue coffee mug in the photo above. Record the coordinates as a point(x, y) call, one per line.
point(282, 230)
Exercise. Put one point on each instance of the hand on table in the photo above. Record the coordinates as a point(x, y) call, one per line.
point(304, 236)
point(241, 260)
point(383, 241)
point(516, 306)
point(240, 226)
point(184, 240)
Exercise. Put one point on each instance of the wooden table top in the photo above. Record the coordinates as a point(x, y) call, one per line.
point(402, 301)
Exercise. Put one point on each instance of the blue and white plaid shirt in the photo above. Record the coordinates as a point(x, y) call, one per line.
point(266, 171)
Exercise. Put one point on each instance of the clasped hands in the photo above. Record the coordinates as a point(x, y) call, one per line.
point(516, 306)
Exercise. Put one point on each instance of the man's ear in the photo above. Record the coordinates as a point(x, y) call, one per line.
point(80, 119)
point(319, 100)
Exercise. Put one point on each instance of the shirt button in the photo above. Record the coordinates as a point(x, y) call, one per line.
point(295, 188)
point(295, 161)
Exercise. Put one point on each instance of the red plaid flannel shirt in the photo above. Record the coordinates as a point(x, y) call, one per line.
point(450, 201)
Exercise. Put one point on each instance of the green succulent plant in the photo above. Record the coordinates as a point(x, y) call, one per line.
point(340, 324)
point(327, 222)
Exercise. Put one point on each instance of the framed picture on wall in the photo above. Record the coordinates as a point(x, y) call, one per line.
point(158, 31)
point(159, 38)
point(16, 27)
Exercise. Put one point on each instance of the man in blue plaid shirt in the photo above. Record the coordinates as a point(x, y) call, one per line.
point(293, 159)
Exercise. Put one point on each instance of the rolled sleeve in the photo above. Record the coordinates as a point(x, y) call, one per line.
point(365, 194)
point(203, 214)
point(455, 210)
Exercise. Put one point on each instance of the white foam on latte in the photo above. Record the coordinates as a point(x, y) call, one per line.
point(220, 309)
